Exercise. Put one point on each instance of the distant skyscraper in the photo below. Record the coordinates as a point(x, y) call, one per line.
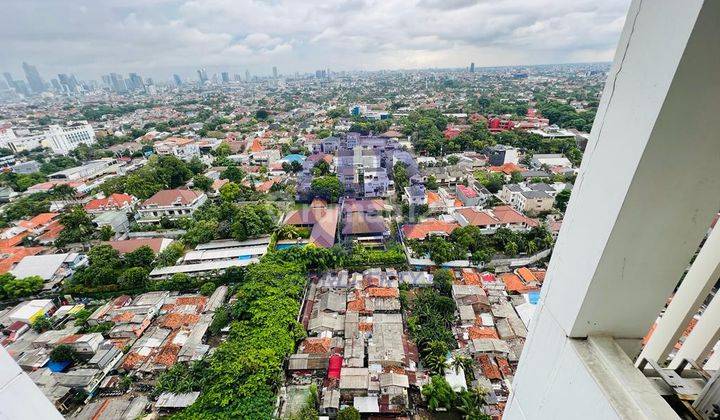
point(22, 87)
point(274, 72)
point(237, 78)
point(56, 85)
point(225, 77)
point(9, 79)
point(33, 78)
point(117, 82)
point(472, 67)
point(18, 85)
point(247, 75)
point(67, 83)
point(177, 80)
point(202, 75)
point(136, 82)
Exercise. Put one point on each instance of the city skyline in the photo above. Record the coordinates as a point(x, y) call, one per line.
point(157, 38)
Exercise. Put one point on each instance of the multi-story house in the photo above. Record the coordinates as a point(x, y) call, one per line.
point(183, 148)
point(171, 204)
point(532, 198)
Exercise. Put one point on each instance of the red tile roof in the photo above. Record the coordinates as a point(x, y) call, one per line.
point(489, 368)
point(431, 226)
point(513, 283)
point(256, 146)
point(482, 332)
point(316, 345)
point(526, 275)
point(467, 191)
point(507, 168)
point(382, 292)
point(167, 356)
point(175, 321)
point(39, 220)
point(170, 197)
point(507, 214)
point(477, 217)
point(12, 255)
point(470, 277)
point(114, 201)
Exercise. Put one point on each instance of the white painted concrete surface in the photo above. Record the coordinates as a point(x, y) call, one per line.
point(646, 193)
point(20, 398)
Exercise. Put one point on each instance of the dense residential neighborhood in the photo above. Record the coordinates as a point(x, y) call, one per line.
point(339, 244)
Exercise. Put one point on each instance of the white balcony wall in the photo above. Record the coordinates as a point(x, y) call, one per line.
point(647, 191)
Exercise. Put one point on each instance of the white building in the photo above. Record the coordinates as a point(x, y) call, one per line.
point(61, 139)
point(183, 148)
point(171, 204)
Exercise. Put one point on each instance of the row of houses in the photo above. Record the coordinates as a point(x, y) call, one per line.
point(142, 336)
point(357, 350)
point(493, 315)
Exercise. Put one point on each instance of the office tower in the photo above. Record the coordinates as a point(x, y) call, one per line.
point(247, 75)
point(33, 78)
point(177, 80)
point(202, 75)
point(9, 79)
point(472, 67)
point(56, 85)
point(225, 77)
point(67, 83)
point(136, 82)
point(106, 80)
point(117, 82)
point(21, 87)
point(237, 78)
point(274, 72)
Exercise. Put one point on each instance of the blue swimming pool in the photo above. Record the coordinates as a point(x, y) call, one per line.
point(533, 297)
point(286, 246)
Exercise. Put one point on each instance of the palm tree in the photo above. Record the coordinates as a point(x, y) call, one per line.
point(471, 403)
point(436, 356)
point(461, 361)
point(435, 363)
point(438, 393)
point(288, 232)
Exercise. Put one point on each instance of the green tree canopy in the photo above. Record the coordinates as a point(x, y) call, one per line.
point(326, 187)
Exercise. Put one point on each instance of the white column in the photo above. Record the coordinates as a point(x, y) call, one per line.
point(692, 292)
point(646, 193)
point(20, 398)
point(703, 337)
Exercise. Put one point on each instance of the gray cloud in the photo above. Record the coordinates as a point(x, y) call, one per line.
point(158, 37)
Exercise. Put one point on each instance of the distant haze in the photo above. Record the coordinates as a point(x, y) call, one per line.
point(159, 37)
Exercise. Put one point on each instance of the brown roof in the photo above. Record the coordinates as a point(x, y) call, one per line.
point(170, 197)
point(477, 217)
point(175, 321)
point(423, 229)
point(130, 245)
point(507, 214)
point(39, 220)
point(382, 292)
point(316, 345)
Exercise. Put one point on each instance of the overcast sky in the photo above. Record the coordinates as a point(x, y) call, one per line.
point(160, 37)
